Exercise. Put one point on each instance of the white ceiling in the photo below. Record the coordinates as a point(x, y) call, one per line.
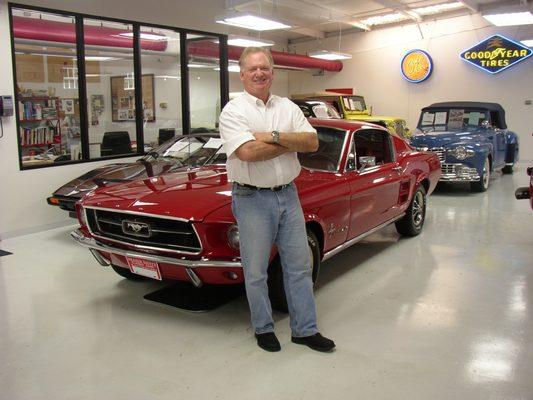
point(311, 19)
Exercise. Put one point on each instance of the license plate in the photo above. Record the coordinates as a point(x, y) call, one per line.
point(143, 267)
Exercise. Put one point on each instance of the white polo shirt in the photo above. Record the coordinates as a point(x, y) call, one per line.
point(246, 114)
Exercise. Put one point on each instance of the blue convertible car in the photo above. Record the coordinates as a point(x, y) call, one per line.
point(470, 138)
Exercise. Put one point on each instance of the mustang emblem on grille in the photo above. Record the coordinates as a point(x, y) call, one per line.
point(136, 228)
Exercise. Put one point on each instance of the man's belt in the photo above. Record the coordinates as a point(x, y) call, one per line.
point(274, 188)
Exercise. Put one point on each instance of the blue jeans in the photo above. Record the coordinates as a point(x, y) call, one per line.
point(266, 217)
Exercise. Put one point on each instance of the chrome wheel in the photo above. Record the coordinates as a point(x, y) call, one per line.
point(486, 174)
point(418, 209)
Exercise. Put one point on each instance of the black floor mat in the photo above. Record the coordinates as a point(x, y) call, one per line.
point(188, 297)
point(4, 253)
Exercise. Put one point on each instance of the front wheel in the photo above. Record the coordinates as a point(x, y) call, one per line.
point(276, 288)
point(483, 184)
point(413, 221)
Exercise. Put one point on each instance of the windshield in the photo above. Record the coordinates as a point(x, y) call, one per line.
point(192, 151)
point(453, 119)
point(328, 155)
point(326, 111)
point(354, 103)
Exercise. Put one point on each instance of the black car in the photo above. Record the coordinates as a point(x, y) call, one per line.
point(178, 154)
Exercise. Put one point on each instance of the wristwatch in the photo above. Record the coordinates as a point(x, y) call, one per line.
point(275, 136)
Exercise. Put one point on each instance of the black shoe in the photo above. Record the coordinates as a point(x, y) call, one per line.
point(316, 342)
point(268, 341)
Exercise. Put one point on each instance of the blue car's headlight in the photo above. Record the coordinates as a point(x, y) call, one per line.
point(461, 152)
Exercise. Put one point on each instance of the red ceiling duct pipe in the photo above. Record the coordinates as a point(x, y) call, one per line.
point(210, 49)
point(53, 31)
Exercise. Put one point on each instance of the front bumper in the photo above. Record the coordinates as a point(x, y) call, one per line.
point(197, 271)
point(458, 173)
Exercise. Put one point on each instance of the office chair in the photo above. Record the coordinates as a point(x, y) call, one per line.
point(165, 134)
point(115, 143)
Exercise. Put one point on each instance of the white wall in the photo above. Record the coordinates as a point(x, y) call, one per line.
point(374, 72)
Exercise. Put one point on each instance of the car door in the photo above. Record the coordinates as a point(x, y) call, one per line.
point(374, 189)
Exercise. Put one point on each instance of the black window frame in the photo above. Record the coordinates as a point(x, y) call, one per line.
point(387, 142)
point(82, 88)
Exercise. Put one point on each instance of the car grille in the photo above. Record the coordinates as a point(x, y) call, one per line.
point(144, 230)
point(441, 153)
point(448, 168)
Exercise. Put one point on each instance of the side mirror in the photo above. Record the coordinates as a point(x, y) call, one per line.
point(366, 162)
point(351, 162)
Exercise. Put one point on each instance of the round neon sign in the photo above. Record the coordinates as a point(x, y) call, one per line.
point(417, 66)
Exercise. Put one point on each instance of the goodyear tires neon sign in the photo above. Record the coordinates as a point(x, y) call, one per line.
point(416, 66)
point(496, 53)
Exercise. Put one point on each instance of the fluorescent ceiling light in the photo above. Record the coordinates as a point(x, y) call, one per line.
point(231, 68)
point(167, 77)
point(243, 41)
point(253, 22)
point(147, 36)
point(100, 58)
point(329, 55)
point(385, 19)
point(528, 42)
point(359, 25)
point(510, 19)
point(195, 65)
point(438, 8)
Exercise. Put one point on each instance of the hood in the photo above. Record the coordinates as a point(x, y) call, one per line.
point(367, 117)
point(191, 195)
point(112, 174)
point(444, 139)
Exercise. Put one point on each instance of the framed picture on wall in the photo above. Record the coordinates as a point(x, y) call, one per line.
point(123, 99)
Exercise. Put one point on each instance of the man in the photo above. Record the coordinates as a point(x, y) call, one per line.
point(262, 134)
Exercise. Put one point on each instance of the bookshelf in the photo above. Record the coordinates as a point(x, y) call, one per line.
point(39, 119)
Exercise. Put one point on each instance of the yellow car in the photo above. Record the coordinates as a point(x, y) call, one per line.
point(353, 107)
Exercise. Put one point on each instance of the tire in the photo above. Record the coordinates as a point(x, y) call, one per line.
point(508, 169)
point(276, 288)
point(126, 273)
point(483, 184)
point(413, 221)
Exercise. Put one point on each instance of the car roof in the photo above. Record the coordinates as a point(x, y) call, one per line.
point(495, 107)
point(344, 124)
point(303, 96)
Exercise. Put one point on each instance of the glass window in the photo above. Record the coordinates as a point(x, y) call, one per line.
point(110, 88)
point(373, 143)
point(328, 155)
point(55, 125)
point(47, 87)
point(204, 81)
point(160, 58)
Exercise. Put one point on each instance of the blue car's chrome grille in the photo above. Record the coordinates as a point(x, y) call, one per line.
point(441, 153)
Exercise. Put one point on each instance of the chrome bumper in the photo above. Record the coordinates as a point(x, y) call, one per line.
point(93, 245)
point(459, 173)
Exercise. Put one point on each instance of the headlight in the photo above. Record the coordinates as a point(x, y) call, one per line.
point(233, 237)
point(461, 152)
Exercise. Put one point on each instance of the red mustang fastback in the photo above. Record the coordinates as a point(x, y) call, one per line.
point(180, 226)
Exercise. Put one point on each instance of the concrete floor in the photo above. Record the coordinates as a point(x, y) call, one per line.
point(445, 315)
